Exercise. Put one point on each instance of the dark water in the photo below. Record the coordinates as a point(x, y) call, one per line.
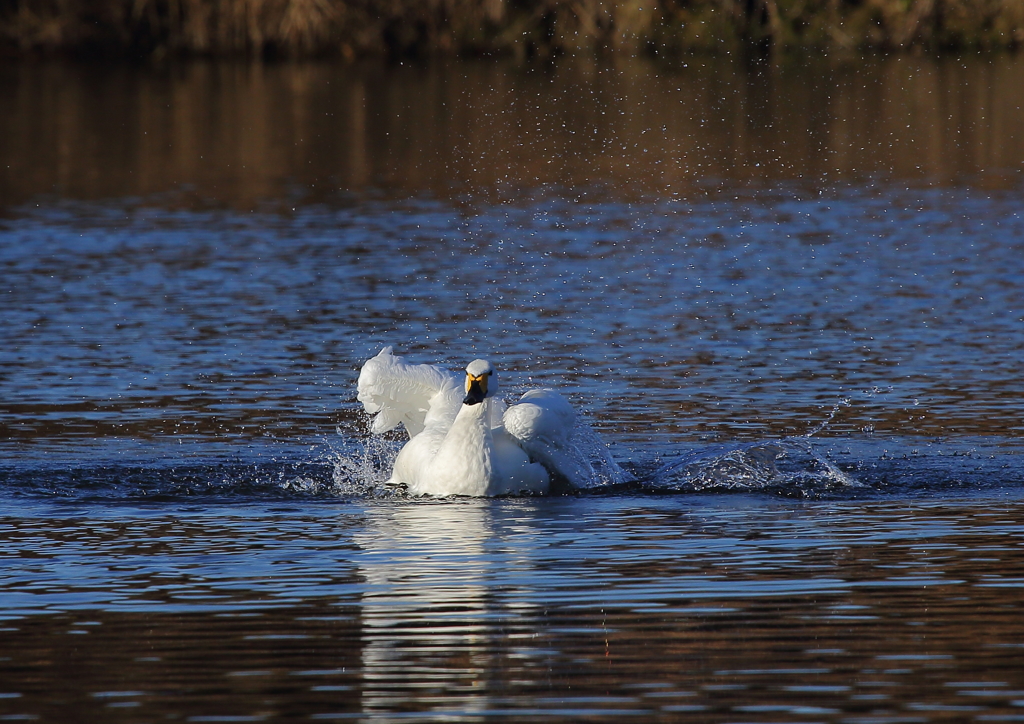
point(789, 297)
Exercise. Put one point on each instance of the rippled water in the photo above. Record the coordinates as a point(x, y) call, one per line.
point(716, 608)
point(788, 297)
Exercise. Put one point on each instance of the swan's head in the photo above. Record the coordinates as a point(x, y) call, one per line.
point(480, 382)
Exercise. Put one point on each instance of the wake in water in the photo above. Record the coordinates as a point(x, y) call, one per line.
point(357, 464)
point(788, 466)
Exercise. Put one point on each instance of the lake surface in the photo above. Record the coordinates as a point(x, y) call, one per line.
point(788, 296)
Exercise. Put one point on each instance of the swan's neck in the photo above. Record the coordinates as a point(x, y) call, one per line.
point(467, 454)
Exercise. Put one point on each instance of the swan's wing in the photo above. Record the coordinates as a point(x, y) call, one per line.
point(541, 416)
point(414, 395)
point(542, 423)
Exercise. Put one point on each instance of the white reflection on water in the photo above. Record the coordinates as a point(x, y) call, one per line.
point(430, 607)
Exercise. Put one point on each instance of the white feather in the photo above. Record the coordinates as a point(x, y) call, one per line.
point(543, 422)
point(397, 392)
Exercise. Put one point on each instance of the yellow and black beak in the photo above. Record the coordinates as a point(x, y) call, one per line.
point(476, 388)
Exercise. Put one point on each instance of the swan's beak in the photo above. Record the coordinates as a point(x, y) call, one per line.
point(476, 389)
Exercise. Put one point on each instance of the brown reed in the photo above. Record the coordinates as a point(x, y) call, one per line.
point(526, 28)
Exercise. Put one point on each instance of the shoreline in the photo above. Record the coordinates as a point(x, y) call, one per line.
point(530, 29)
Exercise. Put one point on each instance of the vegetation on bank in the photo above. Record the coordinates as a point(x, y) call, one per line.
point(528, 28)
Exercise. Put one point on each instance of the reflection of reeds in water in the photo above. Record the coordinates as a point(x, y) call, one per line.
point(519, 27)
point(243, 134)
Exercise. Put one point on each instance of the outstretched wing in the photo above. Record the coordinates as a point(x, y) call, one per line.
point(413, 395)
point(543, 423)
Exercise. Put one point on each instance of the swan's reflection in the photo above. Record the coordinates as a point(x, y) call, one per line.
point(440, 601)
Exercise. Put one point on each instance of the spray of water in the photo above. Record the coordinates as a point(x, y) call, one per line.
point(788, 466)
point(588, 447)
point(363, 467)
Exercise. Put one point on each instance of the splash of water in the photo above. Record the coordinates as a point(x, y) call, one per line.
point(587, 447)
point(788, 466)
point(365, 468)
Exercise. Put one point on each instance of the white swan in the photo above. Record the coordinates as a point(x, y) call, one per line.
point(462, 439)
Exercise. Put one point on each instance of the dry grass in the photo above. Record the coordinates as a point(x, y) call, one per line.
point(522, 27)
